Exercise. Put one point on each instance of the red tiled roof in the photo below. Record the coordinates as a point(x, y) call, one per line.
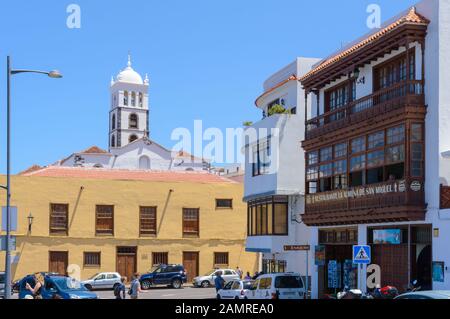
point(113, 174)
point(30, 170)
point(291, 78)
point(94, 150)
point(184, 154)
point(412, 17)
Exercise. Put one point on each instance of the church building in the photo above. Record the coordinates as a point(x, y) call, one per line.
point(129, 144)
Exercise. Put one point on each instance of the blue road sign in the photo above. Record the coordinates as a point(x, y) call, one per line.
point(12, 244)
point(13, 212)
point(361, 255)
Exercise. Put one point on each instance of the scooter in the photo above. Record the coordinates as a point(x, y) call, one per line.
point(388, 292)
point(352, 294)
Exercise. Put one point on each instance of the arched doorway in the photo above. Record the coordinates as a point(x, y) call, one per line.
point(424, 264)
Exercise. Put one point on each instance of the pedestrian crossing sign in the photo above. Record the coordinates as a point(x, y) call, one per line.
point(361, 255)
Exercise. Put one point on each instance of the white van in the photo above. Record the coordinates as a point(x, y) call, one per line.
point(277, 286)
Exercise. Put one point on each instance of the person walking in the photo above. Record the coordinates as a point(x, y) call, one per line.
point(248, 276)
point(219, 282)
point(120, 289)
point(135, 288)
point(239, 272)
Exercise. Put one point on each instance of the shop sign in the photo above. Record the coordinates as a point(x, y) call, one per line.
point(319, 255)
point(387, 236)
point(297, 248)
point(357, 192)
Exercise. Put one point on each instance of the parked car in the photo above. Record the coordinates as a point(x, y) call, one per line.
point(235, 289)
point(208, 279)
point(103, 280)
point(164, 275)
point(2, 285)
point(277, 286)
point(435, 294)
point(57, 287)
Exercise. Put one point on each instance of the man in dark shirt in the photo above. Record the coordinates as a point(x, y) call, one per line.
point(120, 289)
point(219, 282)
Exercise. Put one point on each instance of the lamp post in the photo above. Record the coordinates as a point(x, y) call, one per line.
point(52, 74)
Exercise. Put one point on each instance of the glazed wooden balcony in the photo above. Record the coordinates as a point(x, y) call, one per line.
point(445, 197)
point(407, 203)
point(406, 93)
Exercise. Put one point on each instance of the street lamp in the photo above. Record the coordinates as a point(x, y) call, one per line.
point(52, 74)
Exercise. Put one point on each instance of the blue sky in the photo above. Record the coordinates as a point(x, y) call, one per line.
point(206, 60)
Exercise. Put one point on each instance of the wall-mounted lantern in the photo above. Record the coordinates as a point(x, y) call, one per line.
point(30, 222)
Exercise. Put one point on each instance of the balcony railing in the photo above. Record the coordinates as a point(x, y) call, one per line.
point(383, 101)
point(407, 192)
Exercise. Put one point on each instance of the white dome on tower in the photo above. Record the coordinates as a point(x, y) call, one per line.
point(128, 75)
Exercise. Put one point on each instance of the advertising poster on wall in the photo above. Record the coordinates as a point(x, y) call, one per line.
point(438, 271)
point(319, 255)
point(350, 274)
point(387, 236)
point(334, 274)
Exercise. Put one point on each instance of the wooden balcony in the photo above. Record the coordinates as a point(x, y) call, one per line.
point(376, 203)
point(400, 95)
point(445, 197)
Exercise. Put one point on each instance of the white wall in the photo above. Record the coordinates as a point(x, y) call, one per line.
point(288, 169)
point(287, 174)
point(128, 157)
point(90, 160)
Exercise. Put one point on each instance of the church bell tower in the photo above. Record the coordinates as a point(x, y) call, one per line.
point(129, 114)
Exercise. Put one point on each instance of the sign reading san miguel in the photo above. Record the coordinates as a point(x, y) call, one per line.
point(360, 192)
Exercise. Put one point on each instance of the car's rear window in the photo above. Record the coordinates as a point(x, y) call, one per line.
point(288, 282)
point(173, 269)
point(2, 278)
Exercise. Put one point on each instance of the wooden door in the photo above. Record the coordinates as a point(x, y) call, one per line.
point(58, 262)
point(393, 260)
point(191, 264)
point(126, 262)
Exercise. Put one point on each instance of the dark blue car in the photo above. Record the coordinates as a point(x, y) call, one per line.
point(57, 287)
point(164, 275)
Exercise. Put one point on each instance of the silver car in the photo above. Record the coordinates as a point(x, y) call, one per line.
point(103, 280)
point(208, 279)
point(2, 285)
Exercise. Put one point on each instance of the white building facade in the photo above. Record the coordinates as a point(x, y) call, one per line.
point(390, 129)
point(274, 173)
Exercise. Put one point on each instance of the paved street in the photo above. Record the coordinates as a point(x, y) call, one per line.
point(164, 293)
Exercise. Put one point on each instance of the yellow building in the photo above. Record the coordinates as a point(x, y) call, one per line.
point(92, 220)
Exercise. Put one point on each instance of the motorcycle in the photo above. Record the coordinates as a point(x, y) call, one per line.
point(388, 292)
point(354, 294)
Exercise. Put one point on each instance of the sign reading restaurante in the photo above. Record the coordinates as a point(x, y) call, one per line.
point(363, 191)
